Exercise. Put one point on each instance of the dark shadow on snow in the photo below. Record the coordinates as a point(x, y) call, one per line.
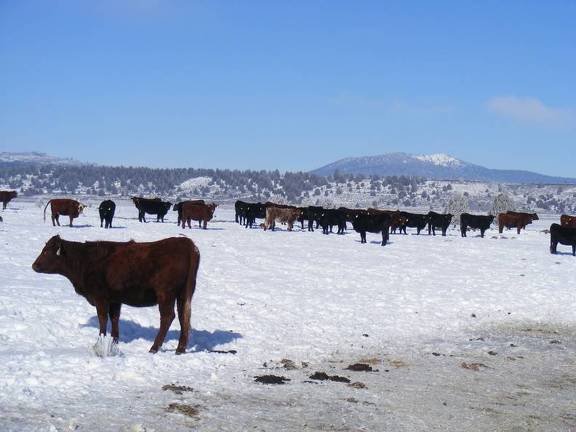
point(196, 228)
point(200, 340)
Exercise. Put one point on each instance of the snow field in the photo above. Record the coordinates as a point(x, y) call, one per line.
point(268, 295)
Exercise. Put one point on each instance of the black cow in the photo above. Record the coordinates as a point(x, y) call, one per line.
point(106, 210)
point(352, 213)
point(414, 220)
point(311, 214)
point(331, 217)
point(480, 222)
point(563, 235)
point(151, 206)
point(438, 220)
point(373, 223)
point(240, 211)
point(253, 211)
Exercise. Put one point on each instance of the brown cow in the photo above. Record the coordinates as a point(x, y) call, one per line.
point(287, 215)
point(109, 274)
point(64, 207)
point(177, 207)
point(515, 220)
point(568, 221)
point(6, 196)
point(200, 212)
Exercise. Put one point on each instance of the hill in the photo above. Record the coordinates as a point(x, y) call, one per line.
point(434, 167)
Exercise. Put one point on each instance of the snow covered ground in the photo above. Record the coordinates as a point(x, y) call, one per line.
point(465, 333)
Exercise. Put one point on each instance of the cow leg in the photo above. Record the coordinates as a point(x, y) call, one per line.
point(553, 246)
point(184, 312)
point(482, 232)
point(384, 237)
point(102, 220)
point(167, 315)
point(205, 224)
point(102, 309)
point(114, 313)
point(500, 228)
point(71, 220)
point(573, 250)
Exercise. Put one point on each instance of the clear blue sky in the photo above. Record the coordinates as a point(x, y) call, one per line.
point(291, 85)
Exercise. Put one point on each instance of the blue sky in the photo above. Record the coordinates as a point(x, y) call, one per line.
point(291, 85)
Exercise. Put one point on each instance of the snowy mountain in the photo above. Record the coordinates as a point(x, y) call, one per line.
point(436, 167)
point(35, 158)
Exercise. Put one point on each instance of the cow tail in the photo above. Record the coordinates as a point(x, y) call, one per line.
point(192, 273)
point(45, 207)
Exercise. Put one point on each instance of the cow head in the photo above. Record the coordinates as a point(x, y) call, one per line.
point(81, 207)
point(51, 259)
point(212, 208)
point(177, 206)
point(535, 216)
point(401, 219)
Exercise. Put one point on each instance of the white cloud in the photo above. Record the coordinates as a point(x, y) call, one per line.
point(532, 110)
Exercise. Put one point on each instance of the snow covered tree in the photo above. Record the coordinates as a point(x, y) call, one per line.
point(457, 205)
point(501, 204)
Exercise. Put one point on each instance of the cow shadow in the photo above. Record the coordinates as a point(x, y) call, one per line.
point(379, 242)
point(79, 226)
point(200, 340)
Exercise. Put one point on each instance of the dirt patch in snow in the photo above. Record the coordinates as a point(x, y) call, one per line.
point(184, 409)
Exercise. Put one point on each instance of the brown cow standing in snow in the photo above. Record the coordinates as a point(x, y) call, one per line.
point(516, 220)
point(64, 207)
point(284, 214)
point(202, 213)
point(109, 274)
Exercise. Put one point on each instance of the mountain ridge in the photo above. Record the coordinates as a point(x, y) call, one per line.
point(34, 157)
point(438, 166)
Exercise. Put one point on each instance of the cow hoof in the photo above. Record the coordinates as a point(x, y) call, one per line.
point(153, 350)
point(180, 351)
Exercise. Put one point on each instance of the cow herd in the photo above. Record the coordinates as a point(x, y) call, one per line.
point(371, 220)
point(384, 222)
